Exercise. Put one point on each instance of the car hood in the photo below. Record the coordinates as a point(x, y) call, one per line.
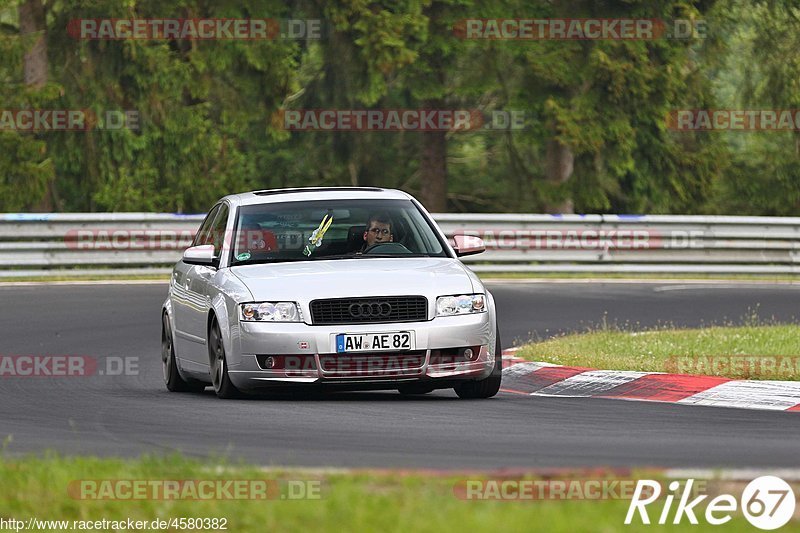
point(310, 280)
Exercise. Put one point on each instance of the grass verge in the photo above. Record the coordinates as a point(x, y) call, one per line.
point(746, 352)
point(349, 501)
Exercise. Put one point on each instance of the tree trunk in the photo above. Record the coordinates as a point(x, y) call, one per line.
point(433, 156)
point(31, 20)
point(433, 169)
point(559, 164)
point(35, 68)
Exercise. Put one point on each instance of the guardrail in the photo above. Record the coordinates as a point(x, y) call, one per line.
point(143, 243)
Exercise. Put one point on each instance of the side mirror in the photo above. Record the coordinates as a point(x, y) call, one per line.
point(468, 245)
point(200, 255)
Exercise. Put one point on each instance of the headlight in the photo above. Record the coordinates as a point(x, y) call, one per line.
point(463, 304)
point(270, 312)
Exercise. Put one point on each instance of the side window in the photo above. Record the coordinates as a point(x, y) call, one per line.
point(217, 237)
point(202, 234)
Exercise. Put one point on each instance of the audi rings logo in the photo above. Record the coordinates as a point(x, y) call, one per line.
point(370, 310)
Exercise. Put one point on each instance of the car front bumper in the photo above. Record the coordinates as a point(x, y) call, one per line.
point(308, 354)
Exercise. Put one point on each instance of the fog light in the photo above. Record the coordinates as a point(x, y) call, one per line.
point(469, 355)
point(269, 362)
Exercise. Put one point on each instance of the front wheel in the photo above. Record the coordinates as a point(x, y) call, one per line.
point(489, 386)
point(219, 365)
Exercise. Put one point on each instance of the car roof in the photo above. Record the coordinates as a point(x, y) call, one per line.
point(304, 194)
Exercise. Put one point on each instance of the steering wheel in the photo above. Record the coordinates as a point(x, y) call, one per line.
point(387, 248)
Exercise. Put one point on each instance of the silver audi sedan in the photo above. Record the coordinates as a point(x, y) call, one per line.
point(351, 288)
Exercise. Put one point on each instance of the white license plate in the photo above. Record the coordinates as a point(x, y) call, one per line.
point(374, 342)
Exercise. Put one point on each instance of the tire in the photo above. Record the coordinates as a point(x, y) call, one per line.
point(169, 367)
point(219, 365)
point(487, 387)
point(414, 389)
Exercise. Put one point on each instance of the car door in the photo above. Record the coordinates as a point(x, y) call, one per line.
point(199, 288)
point(182, 301)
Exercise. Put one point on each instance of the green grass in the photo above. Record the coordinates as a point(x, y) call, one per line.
point(749, 352)
point(350, 501)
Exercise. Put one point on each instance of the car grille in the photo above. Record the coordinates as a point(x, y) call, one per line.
point(369, 310)
point(374, 364)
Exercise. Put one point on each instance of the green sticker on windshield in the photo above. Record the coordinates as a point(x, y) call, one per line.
point(244, 256)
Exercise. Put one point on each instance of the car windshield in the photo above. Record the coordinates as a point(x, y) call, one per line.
point(332, 229)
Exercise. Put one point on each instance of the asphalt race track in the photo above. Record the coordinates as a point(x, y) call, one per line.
point(131, 415)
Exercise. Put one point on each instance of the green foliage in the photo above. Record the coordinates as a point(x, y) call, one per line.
point(25, 164)
point(761, 72)
point(206, 109)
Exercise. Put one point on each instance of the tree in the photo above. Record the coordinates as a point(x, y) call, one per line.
point(761, 71)
point(26, 170)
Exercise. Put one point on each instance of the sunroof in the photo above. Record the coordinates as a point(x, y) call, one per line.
point(316, 189)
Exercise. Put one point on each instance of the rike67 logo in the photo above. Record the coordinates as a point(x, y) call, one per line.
point(767, 502)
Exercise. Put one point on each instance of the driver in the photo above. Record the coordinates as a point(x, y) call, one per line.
point(378, 230)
